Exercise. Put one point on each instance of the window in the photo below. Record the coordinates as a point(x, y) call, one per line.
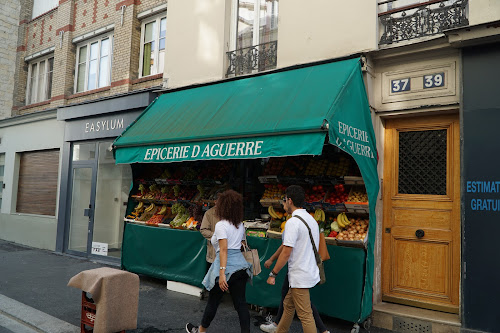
point(256, 22)
point(43, 6)
point(39, 80)
point(153, 34)
point(2, 168)
point(37, 187)
point(93, 64)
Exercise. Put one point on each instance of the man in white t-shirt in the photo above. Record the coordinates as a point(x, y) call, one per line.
point(303, 272)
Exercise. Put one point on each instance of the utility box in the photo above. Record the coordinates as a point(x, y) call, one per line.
point(114, 302)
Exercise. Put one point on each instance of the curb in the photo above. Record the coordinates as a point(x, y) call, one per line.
point(35, 319)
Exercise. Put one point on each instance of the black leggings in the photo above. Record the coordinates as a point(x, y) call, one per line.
point(317, 319)
point(237, 286)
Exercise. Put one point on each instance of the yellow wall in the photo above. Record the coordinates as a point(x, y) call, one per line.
point(482, 11)
point(323, 29)
point(196, 41)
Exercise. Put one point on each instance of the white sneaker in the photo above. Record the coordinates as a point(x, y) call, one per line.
point(269, 327)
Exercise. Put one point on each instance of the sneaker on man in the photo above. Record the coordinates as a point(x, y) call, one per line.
point(270, 327)
point(190, 328)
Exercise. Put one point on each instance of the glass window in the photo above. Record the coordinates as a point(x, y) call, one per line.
point(43, 6)
point(113, 186)
point(153, 38)
point(84, 151)
point(40, 80)
point(93, 68)
point(256, 23)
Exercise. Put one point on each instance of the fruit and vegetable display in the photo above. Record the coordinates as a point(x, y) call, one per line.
point(176, 195)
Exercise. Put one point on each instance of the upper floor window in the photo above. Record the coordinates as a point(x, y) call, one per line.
point(153, 34)
point(43, 6)
point(39, 80)
point(93, 64)
point(254, 36)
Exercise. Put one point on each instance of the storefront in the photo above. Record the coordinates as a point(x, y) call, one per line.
point(94, 190)
point(481, 187)
point(246, 134)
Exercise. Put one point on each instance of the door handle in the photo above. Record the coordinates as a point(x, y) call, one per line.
point(419, 233)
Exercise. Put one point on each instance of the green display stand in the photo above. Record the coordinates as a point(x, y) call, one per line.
point(340, 296)
point(179, 255)
point(170, 254)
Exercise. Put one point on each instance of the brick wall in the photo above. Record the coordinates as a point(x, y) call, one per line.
point(9, 22)
point(76, 18)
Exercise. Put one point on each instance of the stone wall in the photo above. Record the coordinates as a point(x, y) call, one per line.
point(9, 23)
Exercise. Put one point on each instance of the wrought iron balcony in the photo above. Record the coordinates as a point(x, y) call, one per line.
point(420, 20)
point(255, 58)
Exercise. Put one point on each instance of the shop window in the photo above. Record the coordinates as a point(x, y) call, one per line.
point(43, 6)
point(39, 80)
point(93, 64)
point(153, 37)
point(254, 36)
point(2, 168)
point(37, 186)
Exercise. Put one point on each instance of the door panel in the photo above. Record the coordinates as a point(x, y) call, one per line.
point(421, 239)
point(80, 201)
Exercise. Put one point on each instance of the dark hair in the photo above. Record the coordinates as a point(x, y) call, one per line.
point(230, 207)
point(297, 194)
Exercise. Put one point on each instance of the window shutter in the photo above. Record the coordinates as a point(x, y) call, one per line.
point(37, 189)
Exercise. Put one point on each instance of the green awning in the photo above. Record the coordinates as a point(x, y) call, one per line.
point(278, 114)
point(283, 113)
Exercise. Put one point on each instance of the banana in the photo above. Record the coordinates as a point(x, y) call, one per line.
point(271, 212)
point(139, 206)
point(346, 220)
point(323, 217)
point(163, 210)
point(317, 215)
point(150, 207)
point(340, 221)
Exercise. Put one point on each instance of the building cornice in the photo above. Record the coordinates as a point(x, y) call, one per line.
point(29, 118)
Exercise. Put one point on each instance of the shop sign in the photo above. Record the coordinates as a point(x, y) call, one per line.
point(487, 190)
point(99, 127)
point(354, 140)
point(100, 249)
point(237, 148)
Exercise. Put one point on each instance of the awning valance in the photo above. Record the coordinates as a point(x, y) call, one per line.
point(278, 114)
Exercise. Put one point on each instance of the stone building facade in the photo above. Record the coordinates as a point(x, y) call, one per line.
point(9, 20)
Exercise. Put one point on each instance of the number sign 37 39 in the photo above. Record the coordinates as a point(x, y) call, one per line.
point(433, 80)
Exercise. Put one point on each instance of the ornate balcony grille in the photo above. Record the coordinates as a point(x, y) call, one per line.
point(427, 19)
point(255, 58)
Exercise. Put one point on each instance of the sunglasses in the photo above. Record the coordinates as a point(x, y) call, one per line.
point(284, 199)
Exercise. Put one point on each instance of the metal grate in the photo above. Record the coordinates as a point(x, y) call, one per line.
point(407, 325)
point(422, 162)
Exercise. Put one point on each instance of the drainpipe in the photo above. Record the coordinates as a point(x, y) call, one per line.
point(61, 35)
point(123, 13)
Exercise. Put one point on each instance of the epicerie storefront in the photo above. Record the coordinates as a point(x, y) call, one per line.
point(94, 189)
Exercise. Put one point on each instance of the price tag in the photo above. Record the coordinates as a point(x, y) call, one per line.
point(100, 249)
point(434, 80)
point(400, 85)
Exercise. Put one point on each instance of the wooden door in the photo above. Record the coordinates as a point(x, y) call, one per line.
point(421, 227)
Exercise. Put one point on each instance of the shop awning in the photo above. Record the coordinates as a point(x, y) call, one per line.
point(278, 114)
point(283, 113)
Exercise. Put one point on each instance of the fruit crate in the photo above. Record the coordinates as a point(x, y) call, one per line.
point(340, 207)
point(357, 207)
point(353, 180)
point(270, 202)
point(331, 240)
point(274, 234)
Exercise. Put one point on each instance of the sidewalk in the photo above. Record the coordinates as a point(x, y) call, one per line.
point(33, 291)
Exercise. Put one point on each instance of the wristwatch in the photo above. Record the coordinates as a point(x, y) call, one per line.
point(222, 267)
point(272, 274)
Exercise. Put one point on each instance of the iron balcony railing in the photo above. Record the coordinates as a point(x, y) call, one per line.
point(420, 20)
point(254, 58)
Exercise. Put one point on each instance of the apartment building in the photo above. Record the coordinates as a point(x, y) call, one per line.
point(86, 69)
